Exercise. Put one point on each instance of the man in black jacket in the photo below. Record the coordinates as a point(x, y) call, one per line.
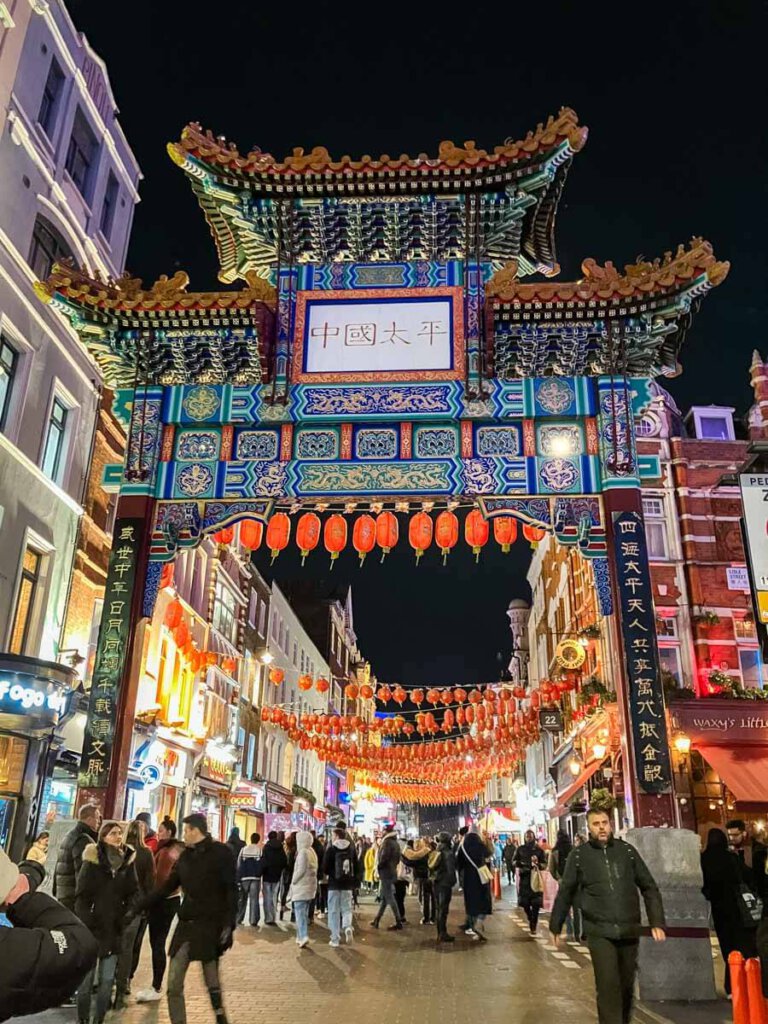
point(47, 952)
point(274, 861)
point(205, 872)
point(386, 865)
point(442, 874)
point(605, 875)
point(70, 858)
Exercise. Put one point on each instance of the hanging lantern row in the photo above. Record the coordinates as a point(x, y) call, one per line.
point(383, 531)
point(193, 657)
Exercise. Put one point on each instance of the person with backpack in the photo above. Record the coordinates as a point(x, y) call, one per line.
point(340, 869)
point(274, 863)
point(441, 865)
point(416, 857)
point(249, 871)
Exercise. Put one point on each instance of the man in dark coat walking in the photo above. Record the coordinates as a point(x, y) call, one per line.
point(47, 952)
point(442, 873)
point(207, 917)
point(274, 861)
point(70, 858)
point(606, 874)
point(386, 865)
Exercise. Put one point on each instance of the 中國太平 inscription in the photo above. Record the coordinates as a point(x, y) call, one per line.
point(379, 335)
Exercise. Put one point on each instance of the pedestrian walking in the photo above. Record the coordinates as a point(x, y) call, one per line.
point(402, 883)
point(205, 872)
point(70, 855)
point(530, 894)
point(442, 875)
point(340, 869)
point(459, 869)
point(285, 881)
point(370, 875)
point(46, 952)
point(417, 858)
point(386, 867)
point(320, 902)
point(761, 879)
point(105, 899)
point(150, 836)
point(133, 936)
point(558, 855)
point(249, 872)
point(235, 842)
point(472, 859)
point(303, 885)
point(508, 858)
point(160, 916)
point(38, 850)
point(723, 875)
point(274, 863)
point(607, 874)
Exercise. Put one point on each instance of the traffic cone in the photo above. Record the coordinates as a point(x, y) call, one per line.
point(496, 884)
point(758, 1007)
point(739, 993)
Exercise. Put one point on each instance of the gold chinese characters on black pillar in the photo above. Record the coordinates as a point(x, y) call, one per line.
point(111, 654)
point(638, 627)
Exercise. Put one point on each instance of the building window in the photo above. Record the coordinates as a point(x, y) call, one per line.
point(656, 538)
point(666, 626)
point(281, 636)
point(31, 565)
point(262, 618)
point(8, 359)
point(50, 102)
point(287, 647)
point(653, 507)
point(53, 450)
point(252, 603)
point(108, 206)
point(225, 612)
point(713, 423)
point(669, 661)
point(81, 155)
point(295, 657)
point(751, 667)
point(48, 247)
point(744, 629)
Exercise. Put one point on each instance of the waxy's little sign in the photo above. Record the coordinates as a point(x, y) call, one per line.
point(721, 721)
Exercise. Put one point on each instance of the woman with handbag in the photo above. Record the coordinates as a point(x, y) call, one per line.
point(472, 857)
point(530, 896)
point(723, 881)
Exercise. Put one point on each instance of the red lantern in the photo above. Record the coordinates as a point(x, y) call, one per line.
point(387, 532)
point(476, 532)
point(364, 536)
point(174, 613)
point(351, 691)
point(417, 696)
point(305, 682)
point(181, 634)
point(460, 694)
point(366, 691)
point(322, 685)
point(399, 696)
point(228, 665)
point(276, 676)
point(384, 694)
point(278, 533)
point(225, 536)
point(335, 536)
point(251, 534)
point(420, 533)
point(307, 534)
point(166, 576)
point(533, 534)
point(505, 532)
point(446, 533)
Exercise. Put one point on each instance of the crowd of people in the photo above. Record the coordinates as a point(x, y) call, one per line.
point(114, 884)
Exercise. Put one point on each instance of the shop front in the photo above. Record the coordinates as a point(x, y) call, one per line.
point(249, 804)
point(720, 754)
point(32, 700)
point(211, 793)
point(159, 774)
point(279, 800)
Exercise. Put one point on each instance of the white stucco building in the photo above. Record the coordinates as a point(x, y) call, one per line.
point(69, 187)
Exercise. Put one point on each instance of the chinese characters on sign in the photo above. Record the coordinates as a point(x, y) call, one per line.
point(111, 655)
point(393, 335)
point(638, 626)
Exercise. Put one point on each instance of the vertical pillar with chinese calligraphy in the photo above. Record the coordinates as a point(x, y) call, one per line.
point(286, 304)
point(648, 772)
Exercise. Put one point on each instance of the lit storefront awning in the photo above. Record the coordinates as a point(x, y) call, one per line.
point(571, 790)
point(743, 769)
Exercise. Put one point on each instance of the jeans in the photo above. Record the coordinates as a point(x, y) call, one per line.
point(614, 962)
point(510, 873)
point(250, 889)
point(443, 895)
point(322, 897)
point(401, 887)
point(160, 921)
point(124, 970)
point(427, 900)
point(177, 1008)
point(301, 910)
point(270, 900)
point(388, 900)
point(105, 967)
point(339, 912)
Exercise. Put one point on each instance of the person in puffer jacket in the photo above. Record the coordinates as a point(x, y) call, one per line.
point(303, 885)
point(47, 952)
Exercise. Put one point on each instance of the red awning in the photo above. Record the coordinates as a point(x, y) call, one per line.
point(744, 770)
point(580, 780)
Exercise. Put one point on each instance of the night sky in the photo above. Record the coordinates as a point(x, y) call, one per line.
point(673, 96)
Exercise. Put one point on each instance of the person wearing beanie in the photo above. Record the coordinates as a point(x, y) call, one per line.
point(205, 872)
point(47, 952)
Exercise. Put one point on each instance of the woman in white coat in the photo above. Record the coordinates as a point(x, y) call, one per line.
point(303, 885)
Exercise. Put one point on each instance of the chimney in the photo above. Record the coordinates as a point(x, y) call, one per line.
point(758, 414)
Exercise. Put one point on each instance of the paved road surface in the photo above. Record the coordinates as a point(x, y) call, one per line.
point(400, 978)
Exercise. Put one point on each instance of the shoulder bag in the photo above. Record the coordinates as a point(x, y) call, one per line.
point(485, 873)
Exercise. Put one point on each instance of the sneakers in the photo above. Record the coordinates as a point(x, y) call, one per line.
point(148, 995)
point(472, 934)
point(395, 928)
point(374, 924)
point(446, 938)
point(423, 921)
point(301, 943)
point(334, 945)
point(349, 935)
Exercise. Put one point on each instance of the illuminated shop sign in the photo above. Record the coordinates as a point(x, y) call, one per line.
point(30, 696)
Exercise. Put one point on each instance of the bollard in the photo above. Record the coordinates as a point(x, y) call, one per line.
point(738, 988)
point(496, 884)
point(758, 1007)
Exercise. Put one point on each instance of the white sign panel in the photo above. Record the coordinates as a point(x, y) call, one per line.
point(738, 577)
point(366, 335)
point(754, 497)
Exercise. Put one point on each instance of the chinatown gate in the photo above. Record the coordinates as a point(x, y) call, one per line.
point(386, 353)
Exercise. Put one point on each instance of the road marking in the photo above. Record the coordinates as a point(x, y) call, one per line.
point(573, 966)
point(581, 949)
point(561, 956)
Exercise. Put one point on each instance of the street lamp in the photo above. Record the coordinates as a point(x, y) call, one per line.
point(574, 766)
point(599, 751)
point(266, 658)
point(682, 743)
